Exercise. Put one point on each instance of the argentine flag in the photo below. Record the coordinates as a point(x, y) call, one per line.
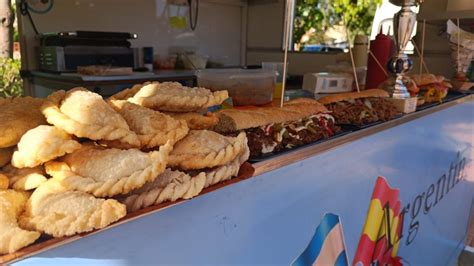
point(327, 245)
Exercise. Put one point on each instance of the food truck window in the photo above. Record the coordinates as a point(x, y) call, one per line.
point(320, 25)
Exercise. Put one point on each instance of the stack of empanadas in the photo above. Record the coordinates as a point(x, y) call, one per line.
point(106, 172)
point(203, 158)
point(75, 162)
point(152, 127)
point(177, 101)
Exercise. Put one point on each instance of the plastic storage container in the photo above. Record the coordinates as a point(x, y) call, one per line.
point(245, 86)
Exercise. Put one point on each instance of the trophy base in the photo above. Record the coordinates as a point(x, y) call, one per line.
point(396, 88)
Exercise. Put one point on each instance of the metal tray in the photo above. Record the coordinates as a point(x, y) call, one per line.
point(452, 95)
point(355, 127)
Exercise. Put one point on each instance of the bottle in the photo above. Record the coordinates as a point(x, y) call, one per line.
point(382, 49)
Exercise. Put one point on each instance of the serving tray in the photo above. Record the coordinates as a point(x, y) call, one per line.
point(452, 95)
point(356, 127)
point(46, 242)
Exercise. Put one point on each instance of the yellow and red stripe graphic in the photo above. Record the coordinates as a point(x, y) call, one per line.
point(383, 227)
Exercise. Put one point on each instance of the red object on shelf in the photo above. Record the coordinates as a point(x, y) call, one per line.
point(381, 48)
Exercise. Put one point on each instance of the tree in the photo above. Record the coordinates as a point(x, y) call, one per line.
point(7, 17)
point(308, 15)
point(314, 17)
point(11, 84)
point(358, 16)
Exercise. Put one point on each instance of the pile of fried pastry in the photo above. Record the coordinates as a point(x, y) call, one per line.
point(76, 162)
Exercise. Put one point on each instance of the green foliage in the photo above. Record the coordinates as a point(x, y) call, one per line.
point(11, 84)
point(308, 15)
point(16, 35)
point(320, 15)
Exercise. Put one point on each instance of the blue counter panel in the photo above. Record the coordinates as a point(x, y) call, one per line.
point(271, 218)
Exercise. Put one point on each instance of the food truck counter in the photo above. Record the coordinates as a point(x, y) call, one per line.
point(293, 156)
point(422, 162)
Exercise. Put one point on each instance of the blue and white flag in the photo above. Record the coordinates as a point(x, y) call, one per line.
point(327, 245)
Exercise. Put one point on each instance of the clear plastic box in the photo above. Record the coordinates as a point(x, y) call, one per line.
point(245, 86)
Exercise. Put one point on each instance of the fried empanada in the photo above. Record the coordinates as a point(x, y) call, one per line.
point(42, 144)
point(108, 172)
point(206, 149)
point(18, 116)
point(6, 155)
point(24, 178)
point(57, 211)
point(128, 93)
point(12, 237)
point(152, 127)
point(86, 115)
point(226, 172)
point(174, 97)
point(4, 182)
point(173, 185)
point(169, 186)
point(197, 121)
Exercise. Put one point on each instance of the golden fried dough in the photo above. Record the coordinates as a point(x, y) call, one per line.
point(4, 182)
point(152, 127)
point(197, 121)
point(24, 178)
point(42, 144)
point(204, 148)
point(128, 93)
point(169, 186)
point(12, 237)
point(227, 171)
point(57, 211)
point(19, 115)
point(6, 155)
point(173, 185)
point(108, 172)
point(174, 97)
point(86, 115)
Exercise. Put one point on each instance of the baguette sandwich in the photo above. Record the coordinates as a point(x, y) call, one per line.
point(272, 129)
point(431, 88)
point(360, 108)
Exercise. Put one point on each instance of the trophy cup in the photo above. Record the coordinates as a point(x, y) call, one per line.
point(404, 24)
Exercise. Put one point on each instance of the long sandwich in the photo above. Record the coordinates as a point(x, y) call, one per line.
point(272, 129)
point(431, 88)
point(360, 108)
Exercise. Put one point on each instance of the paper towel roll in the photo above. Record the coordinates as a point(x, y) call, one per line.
point(360, 50)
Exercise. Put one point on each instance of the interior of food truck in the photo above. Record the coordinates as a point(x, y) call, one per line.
point(302, 132)
point(237, 33)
